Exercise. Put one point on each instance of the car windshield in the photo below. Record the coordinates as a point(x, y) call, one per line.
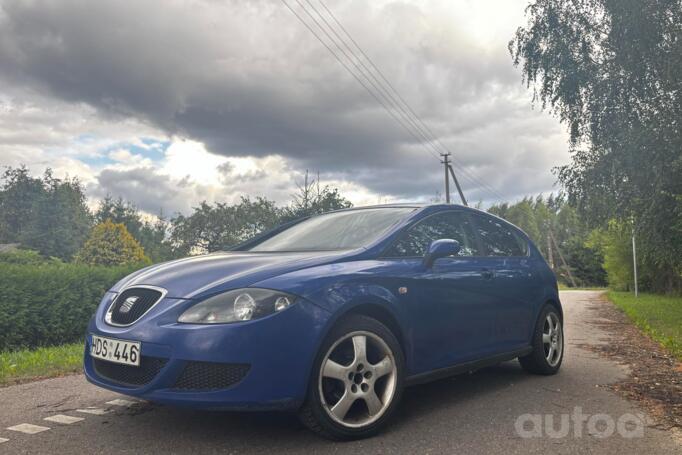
point(335, 231)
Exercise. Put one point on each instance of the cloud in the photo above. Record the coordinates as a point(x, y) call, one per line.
point(246, 81)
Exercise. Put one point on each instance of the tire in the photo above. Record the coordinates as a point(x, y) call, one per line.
point(546, 340)
point(342, 376)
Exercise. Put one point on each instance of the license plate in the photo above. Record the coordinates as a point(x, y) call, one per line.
point(117, 351)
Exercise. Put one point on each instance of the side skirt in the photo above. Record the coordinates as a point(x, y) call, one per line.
point(466, 367)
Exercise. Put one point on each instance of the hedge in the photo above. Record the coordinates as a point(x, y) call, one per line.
point(50, 304)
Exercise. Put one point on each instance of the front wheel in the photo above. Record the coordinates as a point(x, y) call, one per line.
point(357, 380)
point(547, 343)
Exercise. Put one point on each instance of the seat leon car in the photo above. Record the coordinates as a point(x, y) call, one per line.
point(331, 316)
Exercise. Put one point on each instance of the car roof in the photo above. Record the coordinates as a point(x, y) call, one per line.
point(431, 207)
point(415, 205)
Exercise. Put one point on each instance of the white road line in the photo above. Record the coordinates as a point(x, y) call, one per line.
point(61, 418)
point(28, 428)
point(120, 402)
point(3, 440)
point(93, 411)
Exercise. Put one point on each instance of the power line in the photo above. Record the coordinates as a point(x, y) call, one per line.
point(367, 79)
point(347, 68)
point(367, 73)
point(405, 103)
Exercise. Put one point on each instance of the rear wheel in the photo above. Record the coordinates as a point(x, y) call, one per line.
point(357, 380)
point(548, 344)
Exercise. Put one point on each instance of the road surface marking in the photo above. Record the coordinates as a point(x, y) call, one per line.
point(3, 440)
point(28, 428)
point(120, 402)
point(61, 418)
point(93, 411)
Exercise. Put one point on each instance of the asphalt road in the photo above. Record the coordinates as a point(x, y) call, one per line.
point(476, 413)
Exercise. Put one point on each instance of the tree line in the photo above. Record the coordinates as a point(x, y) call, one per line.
point(50, 216)
point(612, 73)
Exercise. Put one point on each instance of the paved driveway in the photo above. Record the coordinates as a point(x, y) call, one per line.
point(477, 413)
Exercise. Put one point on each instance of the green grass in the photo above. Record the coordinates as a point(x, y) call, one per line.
point(28, 364)
point(658, 315)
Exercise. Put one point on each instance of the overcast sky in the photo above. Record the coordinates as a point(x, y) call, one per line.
point(170, 103)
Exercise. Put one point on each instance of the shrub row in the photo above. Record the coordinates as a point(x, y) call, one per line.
point(44, 305)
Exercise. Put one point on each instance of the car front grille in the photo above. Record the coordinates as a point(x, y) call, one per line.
point(128, 375)
point(210, 376)
point(132, 304)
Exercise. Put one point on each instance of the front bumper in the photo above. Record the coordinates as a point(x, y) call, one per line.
point(278, 349)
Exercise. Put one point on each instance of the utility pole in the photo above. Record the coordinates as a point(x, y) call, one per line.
point(459, 188)
point(561, 256)
point(446, 163)
point(448, 169)
point(634, 260)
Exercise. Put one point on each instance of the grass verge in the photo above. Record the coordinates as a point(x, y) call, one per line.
point(563, 287)
point(30, 364)
point(658, 315)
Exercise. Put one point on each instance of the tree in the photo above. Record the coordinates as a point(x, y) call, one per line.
point(311, 199)
point(120, 211)
point(111, 244)
point(614, 244)
point(543, 219)
point(220, 226)
point(18, 193)
point(612, 72)
point(154, 238)
point(151, 233)
point(45, 214)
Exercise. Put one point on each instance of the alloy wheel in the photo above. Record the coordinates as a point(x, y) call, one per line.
point(552, 339)
point(358, 379)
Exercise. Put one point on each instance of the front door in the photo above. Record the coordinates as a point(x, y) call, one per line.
point(451, 304)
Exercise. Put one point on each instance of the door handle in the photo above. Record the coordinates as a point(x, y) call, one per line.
point(487, 274)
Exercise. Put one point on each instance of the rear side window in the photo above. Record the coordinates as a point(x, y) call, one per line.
point(498, 239)
point(447, 225)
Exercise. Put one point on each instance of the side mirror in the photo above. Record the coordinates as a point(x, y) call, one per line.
point(439, 249)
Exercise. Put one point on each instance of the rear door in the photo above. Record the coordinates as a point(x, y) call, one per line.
point(515, 283)
point(450, 305)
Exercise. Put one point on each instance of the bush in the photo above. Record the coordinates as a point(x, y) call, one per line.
point(111, 244)
point(27, 257)
point(50, 304)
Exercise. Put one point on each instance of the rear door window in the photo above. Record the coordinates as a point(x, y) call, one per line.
point(446, 225)
point(499, 239)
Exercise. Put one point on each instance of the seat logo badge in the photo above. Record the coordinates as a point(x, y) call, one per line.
point(402, 290)
point(128, 304)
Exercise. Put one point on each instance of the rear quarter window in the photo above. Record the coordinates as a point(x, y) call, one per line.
point(498, 238)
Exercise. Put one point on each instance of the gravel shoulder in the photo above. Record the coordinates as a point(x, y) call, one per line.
point(655, 376)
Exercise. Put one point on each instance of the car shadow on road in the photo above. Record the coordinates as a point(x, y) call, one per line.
point(423, 403)
point(423, 400)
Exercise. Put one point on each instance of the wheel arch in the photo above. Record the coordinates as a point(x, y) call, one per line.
point(380, 312)
point(556, 304)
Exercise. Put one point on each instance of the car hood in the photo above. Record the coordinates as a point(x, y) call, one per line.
point(199, 276)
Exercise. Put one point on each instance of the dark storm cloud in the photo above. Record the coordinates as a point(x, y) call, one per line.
point(247, 79)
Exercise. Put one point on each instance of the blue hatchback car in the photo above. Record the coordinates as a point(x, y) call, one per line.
point(331, 316)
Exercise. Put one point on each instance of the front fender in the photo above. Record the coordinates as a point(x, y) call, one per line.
point(343, 288)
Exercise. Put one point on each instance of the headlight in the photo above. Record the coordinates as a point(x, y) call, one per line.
point(237, 305)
